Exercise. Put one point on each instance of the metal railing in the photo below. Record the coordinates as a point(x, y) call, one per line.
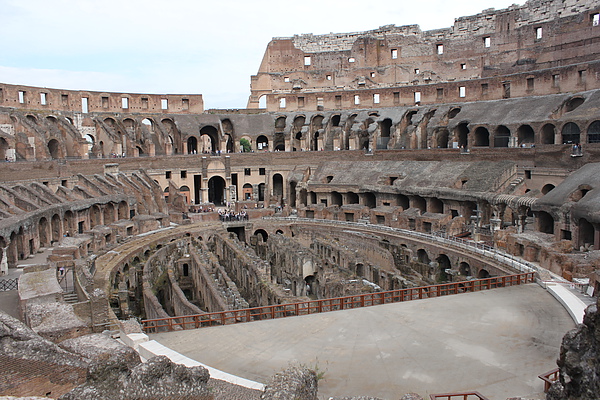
point(441, 238)
point(549, 378)
point(459, 396)
point(9, 284)
point(333, 304)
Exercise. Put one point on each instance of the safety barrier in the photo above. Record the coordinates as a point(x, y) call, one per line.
point(9, 284)
point(460, 396)
point(549, 378)
point(333, 304)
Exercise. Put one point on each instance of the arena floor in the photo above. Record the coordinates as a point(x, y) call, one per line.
point(495, 342)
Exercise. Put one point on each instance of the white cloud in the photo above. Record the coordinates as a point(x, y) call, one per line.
point(182, 46)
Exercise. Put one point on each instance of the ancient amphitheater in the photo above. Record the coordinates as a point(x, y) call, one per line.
point(384, 168)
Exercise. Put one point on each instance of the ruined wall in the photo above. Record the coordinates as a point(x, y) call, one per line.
point(542, 47)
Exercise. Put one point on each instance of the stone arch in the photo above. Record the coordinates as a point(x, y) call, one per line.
point(262, 143)
point(316, 126)
point(481, 137)
point(44, 232)
point(570, 133)
point(95, 216)
point(247, 191)
point(464, 269)
point(54, 149)
point(483, 274)
point(352, 198)
point(297, 134)
point(192, 145)
point(69, 223)
point(216, 190)
point(548, 134)
point(525, 135)
point(443, 264)
point(123, 210)
point(423, 257)
point(593, 132)
point(370, 199)
point(109, 213)
point(545, 222)
point(56, 228)
point(420, 203)
point(336, 199)
point(403, 201)
point(261, 234)
point(502, 136)
point(586, 233)
point(3, 148)
point(209, 139)
point(261, 192)
point(436, 205)
point(461, 133)
point(441, 138)
point(278, 186)
point(547, 188)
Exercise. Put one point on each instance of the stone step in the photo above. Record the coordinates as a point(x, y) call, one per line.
point(70, 298)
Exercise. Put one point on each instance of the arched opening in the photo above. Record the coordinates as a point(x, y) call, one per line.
point(262, 101)
point(586, 234)
point(216, 191)
point(502, 136)
point(352, 198)
point(262, 143)
point(185, 192)
point(336, 199)
point(593, 132)
point(403, 201)
point(385, 128)
point(443, 265)
point(278, 186)
point(297, 132)
point(69, 223)
point(525, 135)
point(247, 191)
point(370, 200)
point(462, 135)
point(209, 138)
point(43, 232)
point(123, 210)
point(335, 120)
point(420, 203)
point(436, 205)
point(3, 148)
point(360, 270)
point(109, 213)
point(423, 257)
point(54, 149)
point(545, 222)
point(95, 216)
point(229, 146)
point(292, 193)
point(483, 274)
point(570, 133)
point(548, 134)
point(261, 192)
point(482, 137)
point(56, 228)
point(547, 188)
point(262, 235)
point(441, 138)
point(311, 285)
point(573, 103)
point(192, 145)
point(464, 269)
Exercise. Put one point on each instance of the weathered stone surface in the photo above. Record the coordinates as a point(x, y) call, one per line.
point(112, 376)
point(55, 321)
point(19, 341)
point(579, 361)
point(296, 382)
point(411, 396)
point(97, 344)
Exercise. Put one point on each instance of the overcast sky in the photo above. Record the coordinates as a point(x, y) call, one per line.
point(183, 46)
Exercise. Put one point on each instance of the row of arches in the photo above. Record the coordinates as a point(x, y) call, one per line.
point(50, 228)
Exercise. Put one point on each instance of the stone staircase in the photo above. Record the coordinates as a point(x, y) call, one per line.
point(70, 298)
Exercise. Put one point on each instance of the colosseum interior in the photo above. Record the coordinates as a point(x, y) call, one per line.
point(361, 161)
